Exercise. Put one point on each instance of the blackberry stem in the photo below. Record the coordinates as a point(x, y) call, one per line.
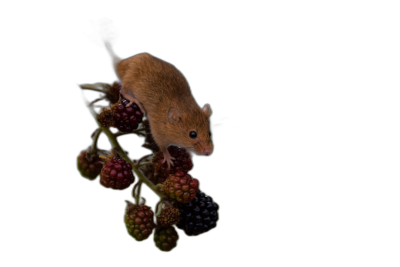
point(102, 152)
point(100, 106)
point(134, 131)
point(137, 195)
point(143, 164)
point(121, 152)
point(97, 100)
point(98, 87)
point(96, 135)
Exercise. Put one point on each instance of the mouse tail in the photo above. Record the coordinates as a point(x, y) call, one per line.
point(105, 28)
point(115, 59)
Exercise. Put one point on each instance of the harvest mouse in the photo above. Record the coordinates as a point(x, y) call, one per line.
point(163, 94)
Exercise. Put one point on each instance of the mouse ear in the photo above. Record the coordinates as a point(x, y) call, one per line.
point(174, 115)
point(207, 110)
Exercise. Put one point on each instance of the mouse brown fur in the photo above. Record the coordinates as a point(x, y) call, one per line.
point(163, 93)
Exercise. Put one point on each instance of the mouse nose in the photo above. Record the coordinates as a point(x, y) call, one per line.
point(207, 151)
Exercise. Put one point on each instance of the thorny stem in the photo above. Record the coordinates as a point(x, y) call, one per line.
point(134, 131)
point(121, 152)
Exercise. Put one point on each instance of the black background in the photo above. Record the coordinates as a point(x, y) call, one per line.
point(242, 67)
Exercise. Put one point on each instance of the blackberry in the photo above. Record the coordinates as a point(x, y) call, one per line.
point(182, 161)
point(139, 221)
point(126, 119)
point(165, 238)
point(199, 215)
point(106, 118)
point(89, 165)
point(168, 216)
point(117, 174)
point(180, 187)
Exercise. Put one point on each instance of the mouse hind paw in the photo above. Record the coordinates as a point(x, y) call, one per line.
point(132, 101)
point(168, 158)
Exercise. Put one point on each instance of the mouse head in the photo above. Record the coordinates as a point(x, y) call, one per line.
point(192, 129)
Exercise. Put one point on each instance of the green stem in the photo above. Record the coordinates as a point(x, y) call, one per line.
point(143, 164)
point(97, 100)
point(137, 192)
point(138, 130)
point(134, 131)
point(95, 139)
point(101, 107)
point(121, 152)
point(100, 87)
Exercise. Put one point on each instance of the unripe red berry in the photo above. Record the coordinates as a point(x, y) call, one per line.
point(116, 174)
point(126, 119)
point(180, 187)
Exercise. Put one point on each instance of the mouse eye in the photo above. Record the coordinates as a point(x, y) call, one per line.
point(209, 134)
point(193, 134)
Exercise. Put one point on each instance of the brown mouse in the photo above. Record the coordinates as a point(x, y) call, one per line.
point(164, 95)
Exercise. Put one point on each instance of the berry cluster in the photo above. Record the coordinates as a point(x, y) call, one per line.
point(181, 204)
point(117, 174)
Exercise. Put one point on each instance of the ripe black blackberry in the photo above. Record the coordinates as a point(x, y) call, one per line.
point(198, 216)
point(126, 119)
